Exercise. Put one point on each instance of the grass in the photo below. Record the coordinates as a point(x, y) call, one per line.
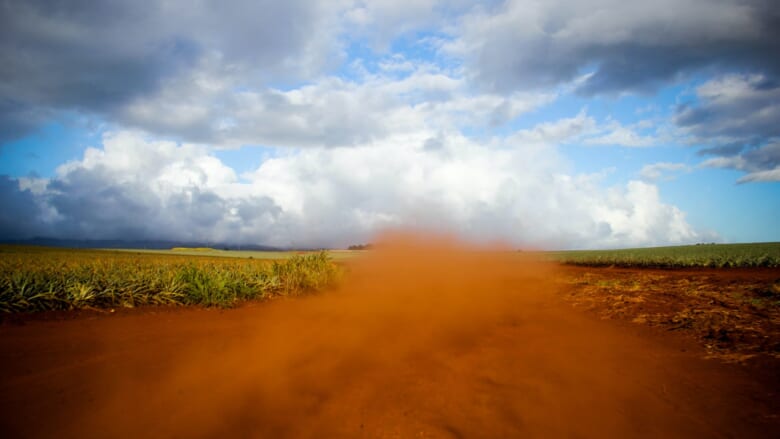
point(40, 279)
point(687, 256)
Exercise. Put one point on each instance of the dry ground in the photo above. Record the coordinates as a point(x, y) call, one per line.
point(441, 344)
point(733, 313)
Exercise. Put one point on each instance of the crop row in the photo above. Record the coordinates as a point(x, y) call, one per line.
point(63, 280)
point(689, 256)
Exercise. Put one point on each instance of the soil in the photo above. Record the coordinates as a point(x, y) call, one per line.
point(733, 313)
point(419, 342)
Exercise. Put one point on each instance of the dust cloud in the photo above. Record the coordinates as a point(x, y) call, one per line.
point(274, 369)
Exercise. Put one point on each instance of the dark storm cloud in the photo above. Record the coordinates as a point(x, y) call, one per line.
point(83, 56)
point(96, 56)
point(92, 204)
point(202, 209)
point(19, 215)
point(19, 118)
point(736, 108)
point(255, 208)
point(736, 119)
point(626, 46)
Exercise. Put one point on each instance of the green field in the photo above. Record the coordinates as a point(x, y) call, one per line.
point(687, 256)
point(336, 255)
point(38, 278)
point(42, 279)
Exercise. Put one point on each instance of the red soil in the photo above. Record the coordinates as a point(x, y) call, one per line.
point(423, 340)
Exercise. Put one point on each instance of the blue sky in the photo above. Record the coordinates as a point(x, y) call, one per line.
point(560, 124)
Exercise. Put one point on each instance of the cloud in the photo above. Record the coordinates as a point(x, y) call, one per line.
point(136, 188)
point(97, 57)
point(386, 112)
point(662, 170)
point(736, 118)
point(242, 72)
point(614, 46)
point(383, 20)
point(208, 107)
point(617, 134)
point(262, 72)
point(733, 108)
point(765, 176)
point(559, 131)
point(18, 119)
point(586, 130)
point(21, 216)
point(761, 163)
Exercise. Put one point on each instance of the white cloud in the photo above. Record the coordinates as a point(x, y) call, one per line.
point(138, 188)
point(131, 158)
point(557, 132)
point(382, 20)
point(584, 129)
point(725, 162)
point(765, 176)
point(210, 107)
point(662, 170)
point(617, 134)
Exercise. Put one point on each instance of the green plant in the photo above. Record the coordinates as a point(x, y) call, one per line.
point(36, 279)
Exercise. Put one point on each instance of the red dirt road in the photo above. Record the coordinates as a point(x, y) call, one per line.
point(420, 342)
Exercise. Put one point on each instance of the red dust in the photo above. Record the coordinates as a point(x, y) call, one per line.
point(425, 338)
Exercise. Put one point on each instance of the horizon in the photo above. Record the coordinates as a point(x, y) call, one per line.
point(168, 245)
point(594, 124)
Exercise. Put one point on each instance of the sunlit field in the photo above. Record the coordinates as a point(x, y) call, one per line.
point(766, 254)
point(45, 279)
point(335, 255)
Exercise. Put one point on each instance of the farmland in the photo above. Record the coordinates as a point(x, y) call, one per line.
point(336, 255)
point(686, 256)
point(40, 279)
point(732, 314)
point(407, 340)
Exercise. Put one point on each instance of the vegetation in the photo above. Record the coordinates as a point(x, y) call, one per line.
point(194, 249)
point(253, 254)
point(39, 279)
point(361, 247)
point(735, 314)
point(707, 255)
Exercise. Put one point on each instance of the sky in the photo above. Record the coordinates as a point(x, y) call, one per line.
point(559, 124)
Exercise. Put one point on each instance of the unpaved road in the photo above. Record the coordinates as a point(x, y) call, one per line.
point(420, 342)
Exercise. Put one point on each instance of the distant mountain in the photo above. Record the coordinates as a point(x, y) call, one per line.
point(133, 244)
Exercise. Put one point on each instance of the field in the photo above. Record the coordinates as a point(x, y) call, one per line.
point(413, 339)
point(335, 255)
point(40, 279)
point(733, 314)
point(686, 256)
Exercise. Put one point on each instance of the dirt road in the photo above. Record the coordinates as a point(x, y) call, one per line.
point(422, 341)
